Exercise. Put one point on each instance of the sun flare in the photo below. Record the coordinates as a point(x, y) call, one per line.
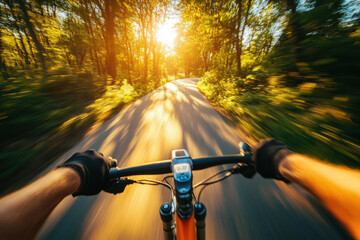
point(166, 33)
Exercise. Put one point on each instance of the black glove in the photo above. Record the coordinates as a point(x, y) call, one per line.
point(267, 155)
point(93, 169)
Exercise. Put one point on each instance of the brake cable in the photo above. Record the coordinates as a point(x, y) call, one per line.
point(153, 182)
point(236, 169)
point(165, 179)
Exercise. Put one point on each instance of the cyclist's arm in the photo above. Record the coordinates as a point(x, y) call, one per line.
point(338, 188)
point(23, 212)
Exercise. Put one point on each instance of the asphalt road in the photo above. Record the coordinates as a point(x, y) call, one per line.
point(175, 116)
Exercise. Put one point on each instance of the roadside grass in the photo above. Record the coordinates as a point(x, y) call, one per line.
point(41, 120)
point(322, 127)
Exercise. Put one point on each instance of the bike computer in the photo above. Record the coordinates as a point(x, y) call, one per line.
point(181, 165)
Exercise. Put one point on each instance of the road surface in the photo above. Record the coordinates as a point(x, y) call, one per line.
point(175, 116)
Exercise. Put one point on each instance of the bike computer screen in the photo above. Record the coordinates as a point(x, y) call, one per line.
point(181, 167)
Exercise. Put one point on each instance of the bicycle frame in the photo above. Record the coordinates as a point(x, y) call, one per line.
point(185, 228)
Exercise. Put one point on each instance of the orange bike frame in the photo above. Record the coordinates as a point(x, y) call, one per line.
point(185, 228)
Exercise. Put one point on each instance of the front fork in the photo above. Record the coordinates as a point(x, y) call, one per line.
point(167, 219)
point(200, 213)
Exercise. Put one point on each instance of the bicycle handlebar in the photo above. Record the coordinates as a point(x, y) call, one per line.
point(163, 167)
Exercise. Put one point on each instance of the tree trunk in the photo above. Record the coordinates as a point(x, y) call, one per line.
point(90, 31)
point(129, 62)
point(153, 50)
point(146, 54)
point(17, 47)
point(296, 33)
point(157, 63)
point(128, 65)
point(110, 61)
point(3, 67)
point(26, 54)
point(24, 51)
point(81, 60)
point(238, 56)
point(31, 49)
point(238, 44)
point(205, 57)
point(245, 21)
point(40, 49)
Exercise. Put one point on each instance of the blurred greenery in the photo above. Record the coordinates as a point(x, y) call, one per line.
point(37, 118)
point(304, 89)
point(323, 128)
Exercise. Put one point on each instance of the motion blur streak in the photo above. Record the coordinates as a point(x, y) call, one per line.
point(176, 115)
point(136, 207)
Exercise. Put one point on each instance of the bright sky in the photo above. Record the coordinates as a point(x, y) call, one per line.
point(167, 32)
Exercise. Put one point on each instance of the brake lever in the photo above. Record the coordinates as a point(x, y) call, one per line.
point(248, 170)
point(118, 186)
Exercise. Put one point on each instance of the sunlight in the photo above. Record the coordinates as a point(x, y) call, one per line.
point(166, 33)
point(171, 86)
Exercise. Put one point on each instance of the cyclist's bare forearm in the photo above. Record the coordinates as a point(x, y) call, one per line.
point(23, 212)
point(338, 188)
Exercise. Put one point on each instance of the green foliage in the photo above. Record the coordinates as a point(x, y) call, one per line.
point(215, 89)
point(225, 35)
point(317, 42)
point(324, 130)
point(37, 117)
point(64, 86)
point(113, 99)
point(305, 91)
point(73, 42)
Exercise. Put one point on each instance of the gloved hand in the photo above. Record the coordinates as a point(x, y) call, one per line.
point(93, 169)
point(267, 155)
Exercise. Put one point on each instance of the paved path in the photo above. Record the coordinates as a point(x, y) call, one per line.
point(174, 116)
